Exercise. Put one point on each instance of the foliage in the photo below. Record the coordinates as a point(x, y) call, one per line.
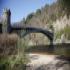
point(29, 17)
point(65, 5)
point(23, 21)
point(53, 17)
point(38, 11)
point(65, 31)
point(11, 61)
point(61, 50)
point(47, 5)
point(50, 12)
point(45, 16)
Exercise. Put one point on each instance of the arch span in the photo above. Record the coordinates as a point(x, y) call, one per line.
point(29, 30)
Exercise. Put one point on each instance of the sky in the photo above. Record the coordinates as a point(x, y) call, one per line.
point(21, 8)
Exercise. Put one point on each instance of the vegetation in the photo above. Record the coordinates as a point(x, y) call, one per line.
point(65, 31)
point(12, 54)
point(48, 14)
point(38, 12)
point(54, 11)
point(65, 5)
point(29, 17)
point(12, 48)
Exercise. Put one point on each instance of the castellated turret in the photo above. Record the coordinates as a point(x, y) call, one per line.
point(6, 21)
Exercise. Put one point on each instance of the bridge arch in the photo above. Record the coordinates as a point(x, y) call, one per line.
point(33, 39)
point(47, 33)
point(27, 29)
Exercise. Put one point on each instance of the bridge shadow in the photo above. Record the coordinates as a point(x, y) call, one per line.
point(47, 48)
point(38, 48)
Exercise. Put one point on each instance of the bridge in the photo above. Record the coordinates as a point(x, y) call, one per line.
point(50, 34)
point(29, 30)
point(7, 27)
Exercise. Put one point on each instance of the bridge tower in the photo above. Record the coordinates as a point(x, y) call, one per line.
point(6, 21)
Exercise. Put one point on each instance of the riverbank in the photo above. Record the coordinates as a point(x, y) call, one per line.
point(44, 61)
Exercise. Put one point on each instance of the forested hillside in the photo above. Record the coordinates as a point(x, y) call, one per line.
point(55, 15)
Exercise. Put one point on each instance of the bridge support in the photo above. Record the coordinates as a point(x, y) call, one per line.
point(51, 46)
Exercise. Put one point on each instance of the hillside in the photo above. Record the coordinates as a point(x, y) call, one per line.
point(47, 16)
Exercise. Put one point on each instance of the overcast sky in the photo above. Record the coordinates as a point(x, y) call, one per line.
point(21, 8)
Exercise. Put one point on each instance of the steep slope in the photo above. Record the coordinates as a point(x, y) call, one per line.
point(47, 16)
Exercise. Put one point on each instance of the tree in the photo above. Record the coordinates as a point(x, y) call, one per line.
point(29, 17)
point(65, 5)
point(38, 12)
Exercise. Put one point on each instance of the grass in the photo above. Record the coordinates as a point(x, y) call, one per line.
point(65, 31)
point(13, 61)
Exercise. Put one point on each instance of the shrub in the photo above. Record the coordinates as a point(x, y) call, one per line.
point(29, 17)
point(65, 31)
point(12, 43)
